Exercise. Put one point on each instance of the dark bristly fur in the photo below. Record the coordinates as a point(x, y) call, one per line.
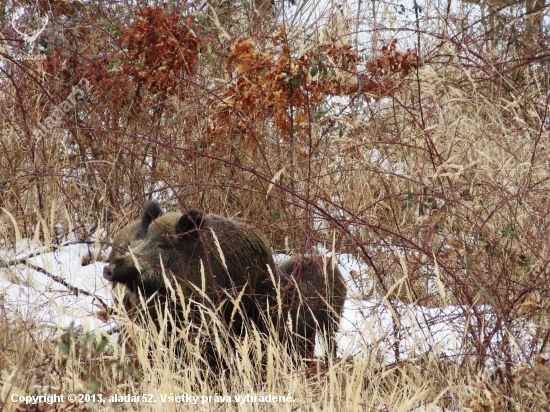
point(129, 236)
point(135, 230)
point(184, 242)
point(318, 305)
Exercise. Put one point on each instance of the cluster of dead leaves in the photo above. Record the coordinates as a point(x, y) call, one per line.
point(392, 61)
point(268, 80)
point(487, 401)
point(272, 81)
point(161, 50)
point(156, 55)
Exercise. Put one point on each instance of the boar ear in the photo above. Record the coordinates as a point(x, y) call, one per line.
point(151, 210)
point(189, 224)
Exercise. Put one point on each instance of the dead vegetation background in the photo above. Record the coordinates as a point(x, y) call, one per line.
point(413, 137)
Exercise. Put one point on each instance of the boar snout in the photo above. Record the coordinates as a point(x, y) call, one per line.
point(119, 271)
point(108, 272)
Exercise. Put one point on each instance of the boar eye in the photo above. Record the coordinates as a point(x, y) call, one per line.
point(164, 245)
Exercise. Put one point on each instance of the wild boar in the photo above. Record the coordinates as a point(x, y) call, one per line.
point(313, 297)
point(205, 255)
